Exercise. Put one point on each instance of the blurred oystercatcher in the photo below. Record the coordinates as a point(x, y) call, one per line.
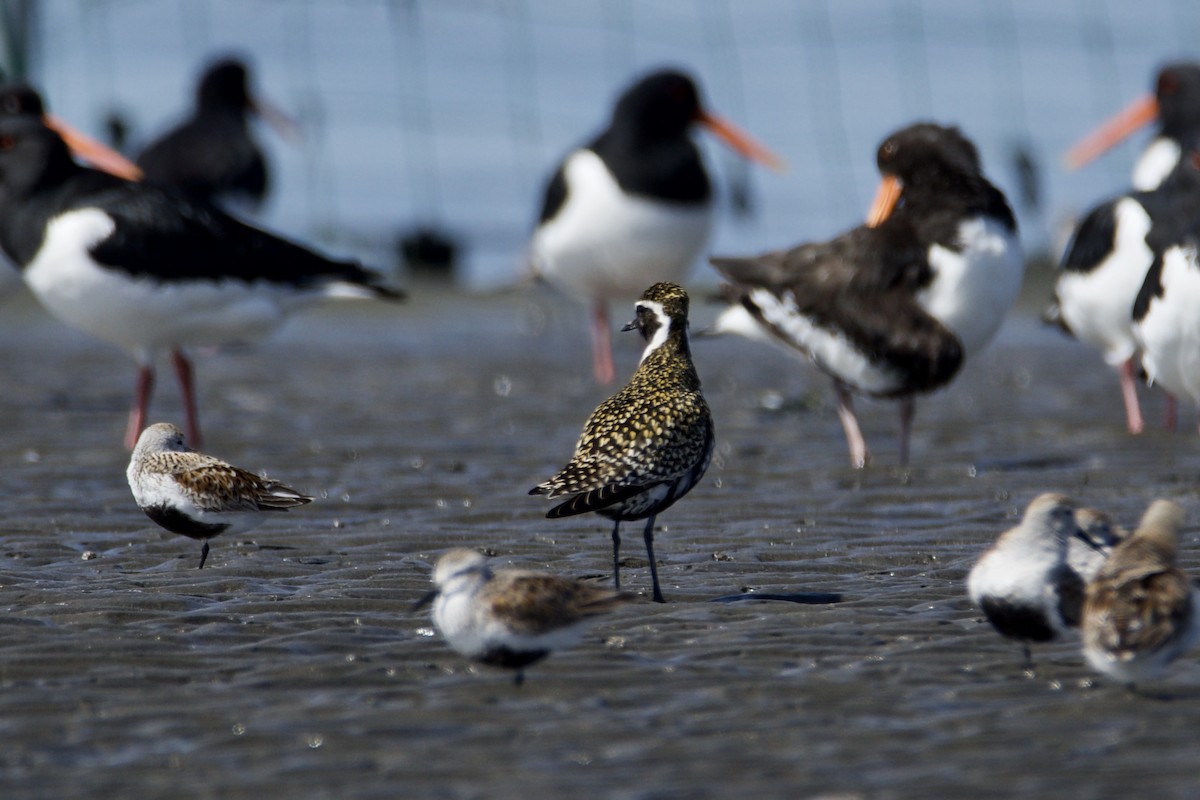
point(635, 205)
point(1165, 323)
point(20, 99)
point(145, 268)
point(893, 307)
point(1175, 104)
point(212, 155)
point(1106, 267)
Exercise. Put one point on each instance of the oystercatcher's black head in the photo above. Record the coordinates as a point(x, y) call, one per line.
point(662, 105)
point(1178, 94)
point(919, 148)
point(30, 155)
point(223, 86)
point(20, 99)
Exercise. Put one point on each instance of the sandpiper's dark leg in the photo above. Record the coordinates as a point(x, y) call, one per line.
point(648, 535)
point(141, 402)
point(1028, 656)
point(520, 679)
point(203, 554)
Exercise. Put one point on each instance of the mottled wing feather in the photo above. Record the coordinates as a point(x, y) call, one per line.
point(1148, 610)
point(218, 486)
point(633, 441)
point(533, 604)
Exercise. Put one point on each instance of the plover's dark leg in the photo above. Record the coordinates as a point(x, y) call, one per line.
point(141, 401)
point(1028, 656)
point(859, 456)
point(520, 679)
point(648, 535)
point(203, 554)
point(183, 371)
point(616, 537)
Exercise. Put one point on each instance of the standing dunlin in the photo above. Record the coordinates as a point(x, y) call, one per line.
point(196, 495)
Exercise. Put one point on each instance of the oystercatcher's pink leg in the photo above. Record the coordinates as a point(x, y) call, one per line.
point(183, 371)
point(1170, 412)
point(602, 362)
point(1133, 411)
point(141, 401)
point(859, 456)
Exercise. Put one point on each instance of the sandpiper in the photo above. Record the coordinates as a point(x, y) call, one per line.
point(1095, 537)
point(510, 617)
point(1140, 611)
point(1022, 582)
point(197, 495)
point(650, 443)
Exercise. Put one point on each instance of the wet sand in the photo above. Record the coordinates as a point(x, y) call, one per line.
point(291, 666)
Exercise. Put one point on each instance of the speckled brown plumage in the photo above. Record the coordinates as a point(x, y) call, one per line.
point(510, 617)
point(1140, 611)
point(650, 443)
point(198, 495)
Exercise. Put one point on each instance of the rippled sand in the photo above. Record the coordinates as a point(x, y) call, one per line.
point(291, 665)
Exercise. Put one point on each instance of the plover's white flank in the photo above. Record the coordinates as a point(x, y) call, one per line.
point(510, 617)
point(649, 444)
point(1141, 611)
point(197, 495)
point(1022, 582)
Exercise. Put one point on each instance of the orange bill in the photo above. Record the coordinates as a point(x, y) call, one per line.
point(740, 141)
point(284, 125)
point(886, 197)
point(1136, 115)
point(99, 155)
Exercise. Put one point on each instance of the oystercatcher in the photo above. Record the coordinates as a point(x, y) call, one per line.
point(145, 268)
point(893, 307)
point(212, 154)
point(1101, 292)
point(1175, 104)
point(635, 205)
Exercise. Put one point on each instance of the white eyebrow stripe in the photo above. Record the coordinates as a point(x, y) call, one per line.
point(664, 326)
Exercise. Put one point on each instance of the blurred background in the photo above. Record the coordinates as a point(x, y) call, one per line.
point(448, 115)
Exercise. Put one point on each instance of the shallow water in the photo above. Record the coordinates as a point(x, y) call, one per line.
point(291, 663)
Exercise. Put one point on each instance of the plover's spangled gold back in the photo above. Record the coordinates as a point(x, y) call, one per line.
point(650, 443)
point(198, 495)
point(1141, 610)
point(511, 617)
